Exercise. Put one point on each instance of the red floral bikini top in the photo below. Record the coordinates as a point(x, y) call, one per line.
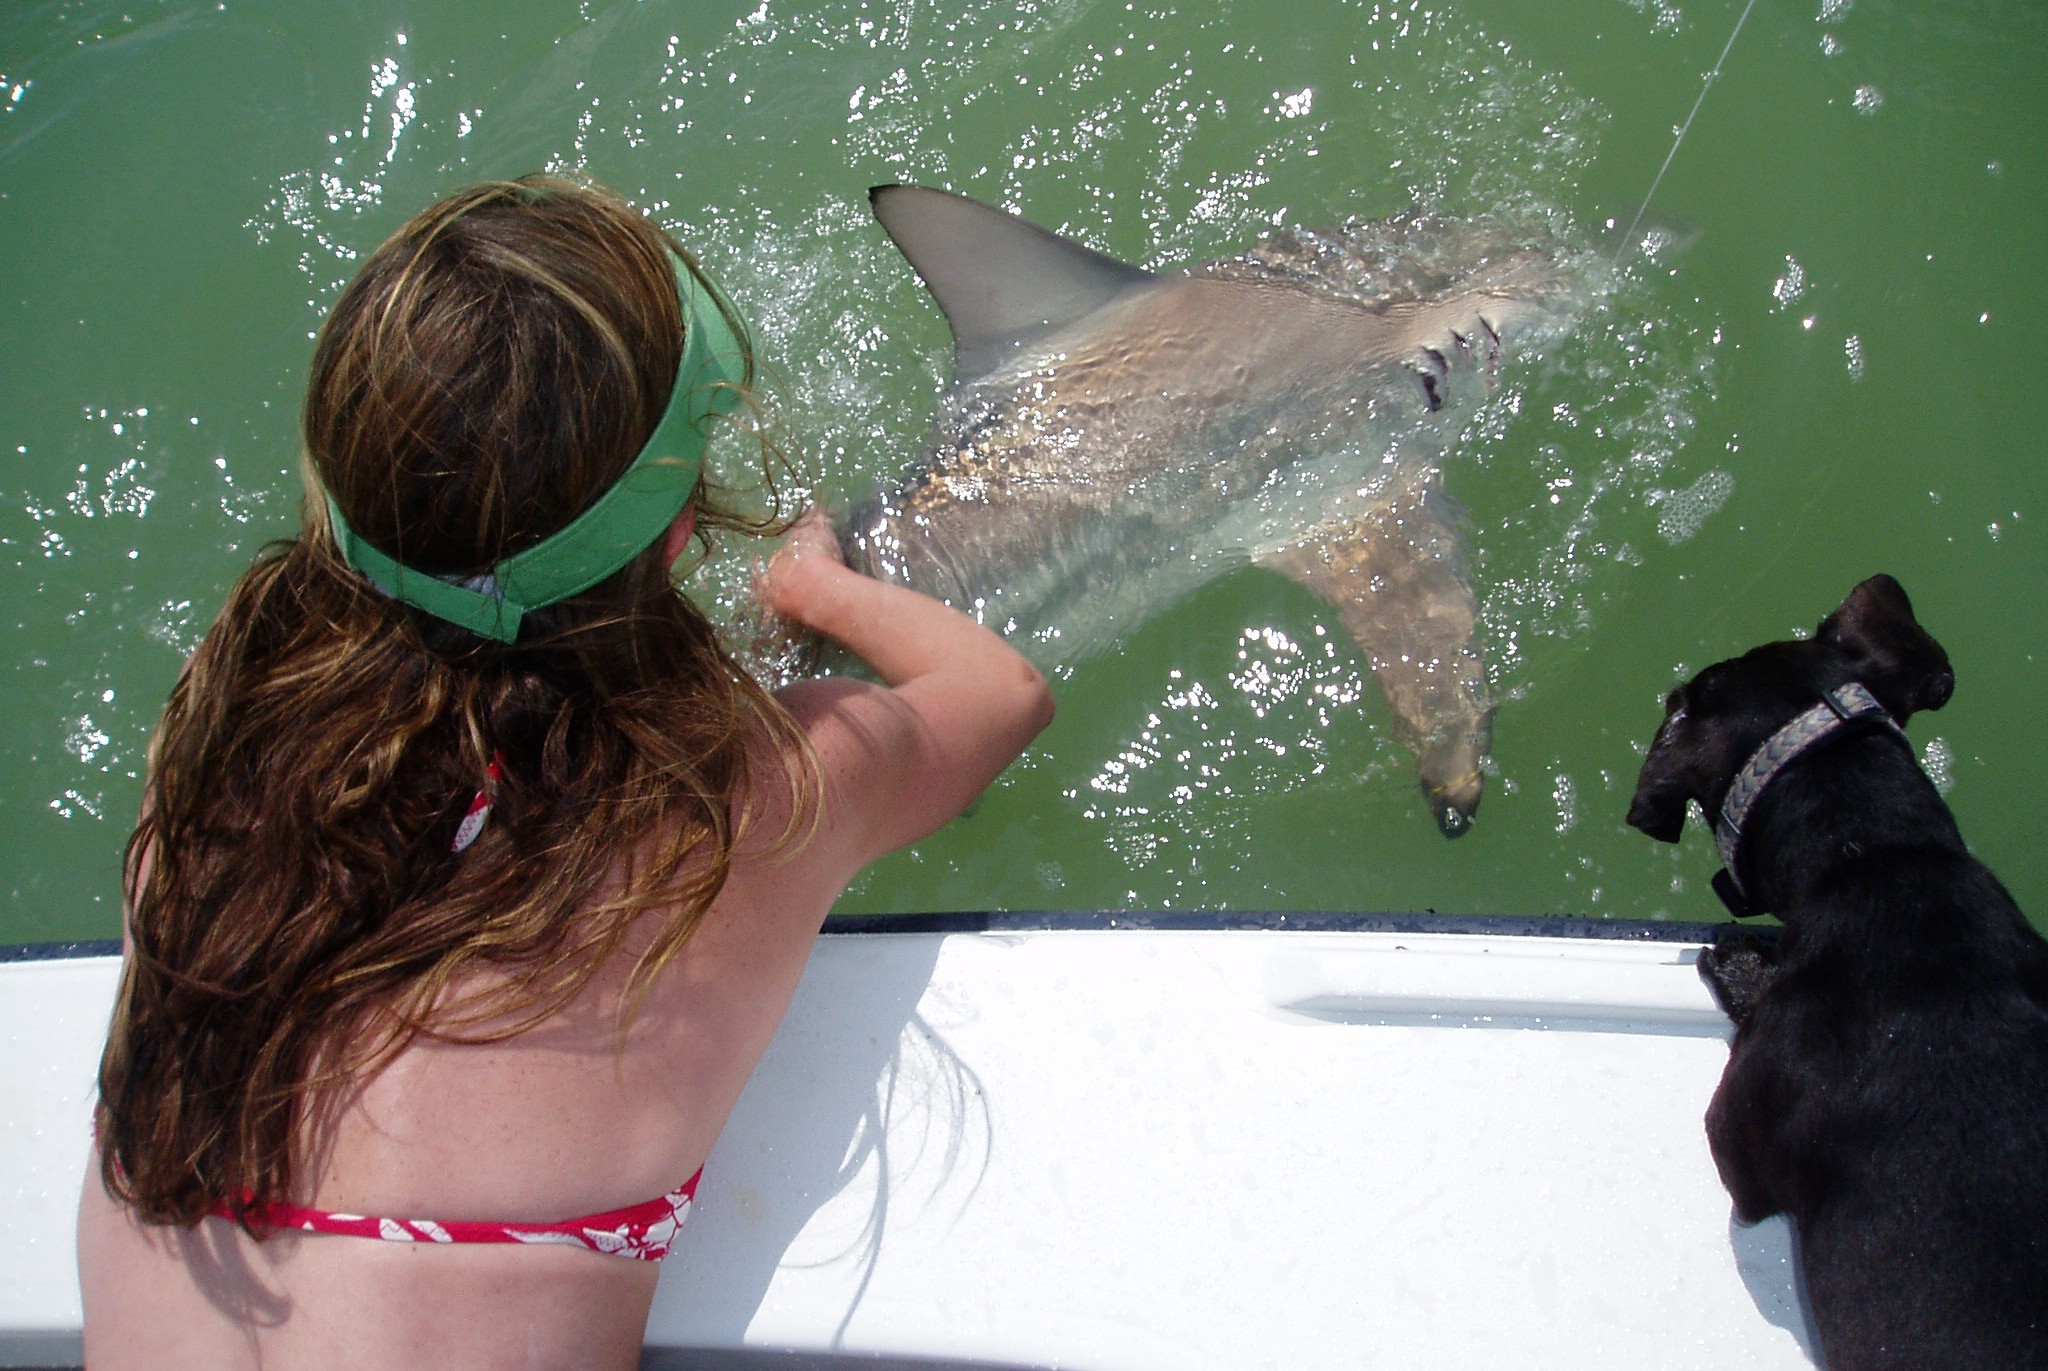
point(643, 1231)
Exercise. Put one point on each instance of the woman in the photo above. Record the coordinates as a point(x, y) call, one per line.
point(474, 875)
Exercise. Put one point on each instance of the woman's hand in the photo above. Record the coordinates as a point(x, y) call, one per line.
point(961, 702)
point(787, 586)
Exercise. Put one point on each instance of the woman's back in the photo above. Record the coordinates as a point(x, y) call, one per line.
point(483, 1078)
point(569, 1118)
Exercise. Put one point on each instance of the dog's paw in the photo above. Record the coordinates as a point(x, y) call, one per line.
point(1738, 967)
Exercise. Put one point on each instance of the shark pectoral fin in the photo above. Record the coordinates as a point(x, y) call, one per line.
point(1000, 280)
point(1396, 578)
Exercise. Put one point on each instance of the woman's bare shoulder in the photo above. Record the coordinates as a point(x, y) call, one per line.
point(860, 733)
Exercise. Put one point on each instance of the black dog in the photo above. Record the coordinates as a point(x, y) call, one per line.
point(1888, 1084)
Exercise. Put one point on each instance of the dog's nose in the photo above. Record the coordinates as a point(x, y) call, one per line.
point(1939, 687)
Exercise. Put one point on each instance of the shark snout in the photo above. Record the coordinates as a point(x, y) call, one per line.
point(1452, 781)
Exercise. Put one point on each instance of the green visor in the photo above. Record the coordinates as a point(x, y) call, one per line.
point(619, 526)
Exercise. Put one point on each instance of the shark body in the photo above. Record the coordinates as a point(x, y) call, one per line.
point(1114, 438)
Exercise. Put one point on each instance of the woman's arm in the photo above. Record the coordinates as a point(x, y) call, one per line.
point(959, 703)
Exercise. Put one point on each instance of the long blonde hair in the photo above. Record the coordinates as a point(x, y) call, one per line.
point(491, 370)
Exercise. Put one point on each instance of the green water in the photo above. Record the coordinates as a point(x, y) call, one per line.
point(1841, 373)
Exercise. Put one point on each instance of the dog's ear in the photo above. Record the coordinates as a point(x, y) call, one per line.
point(1665, 783)
point(1887, 650)
point(1869, 617)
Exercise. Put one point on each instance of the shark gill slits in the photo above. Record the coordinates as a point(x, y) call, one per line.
point(1431, 391)
point(1492, 350)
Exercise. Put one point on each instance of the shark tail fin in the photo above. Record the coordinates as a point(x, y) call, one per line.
point(1001, 281)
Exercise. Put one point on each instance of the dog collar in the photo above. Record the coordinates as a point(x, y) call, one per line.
point(1841, 710)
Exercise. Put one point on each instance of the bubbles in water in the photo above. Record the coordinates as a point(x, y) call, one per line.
point(1831, 10)
point(1852, 346)
point(1939, 763)
point(1565, 796)
point(1789, 286)
point(1686, 510)
point(1868, 99)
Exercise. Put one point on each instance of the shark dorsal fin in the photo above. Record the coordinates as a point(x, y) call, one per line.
point(1002, 282)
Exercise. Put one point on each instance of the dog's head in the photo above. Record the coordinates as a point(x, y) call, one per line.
point(1714, 722)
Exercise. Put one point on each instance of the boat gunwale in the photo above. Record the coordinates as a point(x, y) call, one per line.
point(1148, 921)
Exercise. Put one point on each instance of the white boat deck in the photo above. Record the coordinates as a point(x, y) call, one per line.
point(1127, 1150)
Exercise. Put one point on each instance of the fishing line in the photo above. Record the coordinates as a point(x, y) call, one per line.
point(1683, 129)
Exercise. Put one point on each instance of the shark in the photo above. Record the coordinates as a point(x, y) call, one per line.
point(1113, 438)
